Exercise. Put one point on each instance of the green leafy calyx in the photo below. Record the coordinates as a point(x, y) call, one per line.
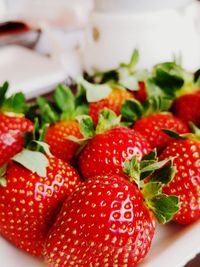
point(125, 76)
point(34, 161)
point(15, 104)
point(95, 92)
point(151, 176)
point(132, 110)
point(34, 156)
point(107, 120)
point(3, 170)
point(195, 131)
point(194, 135)
point(86, 126)
point(66, 105)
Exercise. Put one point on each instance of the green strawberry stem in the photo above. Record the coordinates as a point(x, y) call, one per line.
point(173, 80)
point(195, 130)
point(34, 156)
point(197, 78)
point(94, 92)
point(3, 169)
point(13, 105)
point(174, 134)
point(107, 120)
point(125, 76)
point(132, 110)
point(34, 161)
point(161, 173)
point(66, 105)
point(167, 79)
point(194, 135)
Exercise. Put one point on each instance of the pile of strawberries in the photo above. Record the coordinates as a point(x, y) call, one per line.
point(86, 176)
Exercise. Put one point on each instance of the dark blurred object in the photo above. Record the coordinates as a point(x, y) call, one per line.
point(15, 32)
point(195, 262)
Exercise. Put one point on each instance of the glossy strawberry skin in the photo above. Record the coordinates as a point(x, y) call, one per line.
point(104, 223)
point(106, 153)
point(12, 130)
point(56, 137)
point(151, 127)
point(29, 203)
point(186, 183)
point(186, 107)
point(114, 102)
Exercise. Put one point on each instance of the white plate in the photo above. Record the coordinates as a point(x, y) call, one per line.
point(28, 71)
point(173, 246)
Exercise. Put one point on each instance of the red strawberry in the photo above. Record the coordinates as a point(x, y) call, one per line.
point(30, 202)
point(151, 127)
point(12, 130)
point(106, 222)
point(63, 123)
point(186, 107)
point(141, 94)
point(186, 183)
point(149, 120)
point(56, 137)
point(111, 226)
point(106, 153)
point(13, 124)
point(107, 147)
point(114, 102)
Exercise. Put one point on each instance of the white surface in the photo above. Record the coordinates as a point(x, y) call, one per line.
point(12, 257)
point(67, 14)
point(173, 246)
point(137, 6)
point(32, 73)
point(159, 36)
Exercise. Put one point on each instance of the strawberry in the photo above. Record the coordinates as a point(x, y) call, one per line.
point(105, 235)
point(113, 101)
point(186, 183)
point(63, 123)
point(151, 127)
point(166, 79)
point(116, 226)
point(56, 137)
point(141, 93)
point(186, 104)
point(186, 107)
point(32, 196)
point(106, 152)
point(13, 124)
point(111, 88)
point(150, 120)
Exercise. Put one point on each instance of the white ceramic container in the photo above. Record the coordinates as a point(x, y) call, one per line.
point(160, 35)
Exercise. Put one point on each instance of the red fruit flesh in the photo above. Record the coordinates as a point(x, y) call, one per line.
point(151, 127)
point(107, 152)
point(29, 203)
point(186, 183)
point(104, 223)
point(187, 108)
point(56, 137)
point(11, 135)
point(114, 102)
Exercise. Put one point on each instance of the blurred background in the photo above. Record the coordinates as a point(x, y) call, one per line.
point(68, 36)
point(42, 42)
